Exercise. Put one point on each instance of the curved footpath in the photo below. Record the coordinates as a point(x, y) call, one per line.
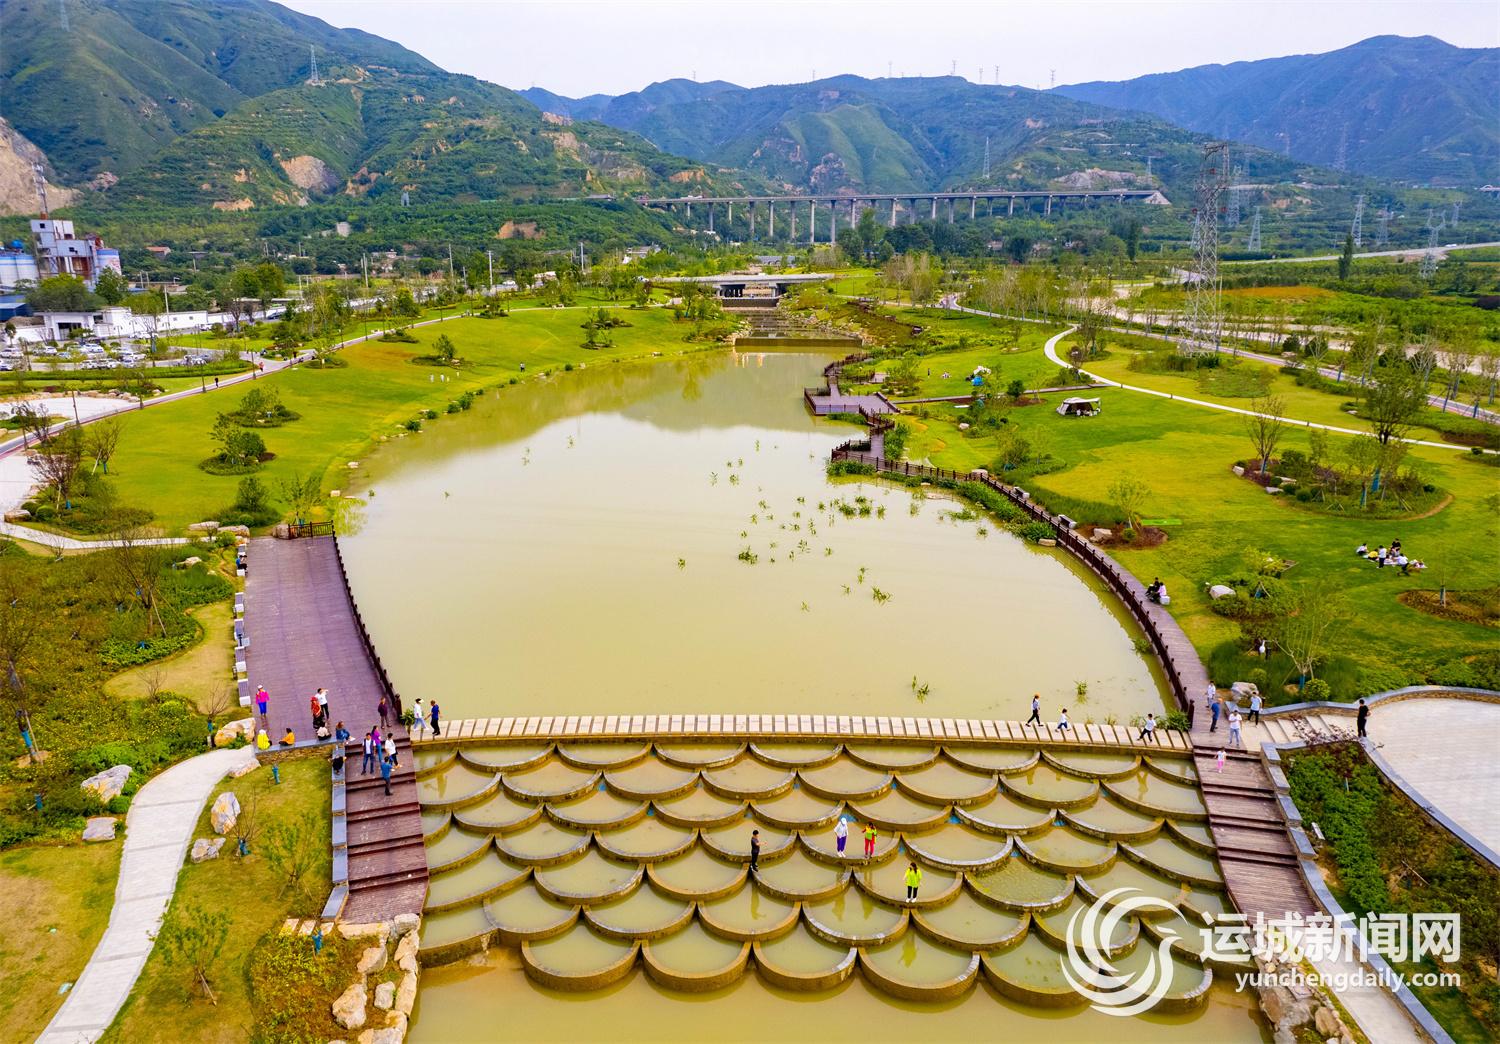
point(158, 830)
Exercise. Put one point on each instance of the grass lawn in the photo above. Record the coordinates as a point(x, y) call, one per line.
point(1183, 453)
point(247, 890)
point(58, 898)
point(197, 673)
point(344, 408)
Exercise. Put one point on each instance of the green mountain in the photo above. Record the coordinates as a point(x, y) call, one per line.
point(1413, 109)
point(126, 77)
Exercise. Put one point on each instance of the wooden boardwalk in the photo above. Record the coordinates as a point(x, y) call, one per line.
point(304, 633)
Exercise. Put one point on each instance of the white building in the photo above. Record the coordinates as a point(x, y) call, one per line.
point(118, 322)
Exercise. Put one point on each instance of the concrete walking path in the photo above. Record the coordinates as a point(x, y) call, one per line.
point(158, 830)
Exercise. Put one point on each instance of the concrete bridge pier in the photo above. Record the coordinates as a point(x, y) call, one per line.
point(973, 200)
point(793, 236)
point(752, 221)
point(833, 223)
point(894, 207)
point(710, 219)
point(934, 208)
point(1048, 211)
point(1012, 209)
point(812, 221)
point(950, 212)
point(730, 218)
point(770, 219)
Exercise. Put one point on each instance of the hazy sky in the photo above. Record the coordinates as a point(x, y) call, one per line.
point(578, 47)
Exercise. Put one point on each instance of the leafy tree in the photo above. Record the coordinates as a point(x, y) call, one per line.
point(111, 286)
point(62, 293)
point(1309, 617)
point(192, 937)
point(443, 348)
point(1266, 425)
point(56, 463)
point(270, 283)
point(1346, 259)
point(1393, 402)
point(237, 446)
point(291, 851)
point(1128, 494)
point(102, 440)
point(252, 496)
point(302, 494)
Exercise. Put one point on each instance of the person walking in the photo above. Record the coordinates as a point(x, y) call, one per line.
point(1036, 710)
point(1062, 721)
point(316, 710)
point(1215, 706)
point(1234, 728)
point(384, 710)
point(1149, 728)
point(389, 750)
point(262, 704)
point(322, 697)
point(1362, 716)
point(435, 718)
point(913, 881)
point(385, 774)
point(841, 833)
point(870, 835)
point(1255, 707)
point(375, 738)
point(418, 721)
point(755, 850)
point(367, 765)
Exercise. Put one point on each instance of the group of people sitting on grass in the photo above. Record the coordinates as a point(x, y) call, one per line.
point(1390, 556)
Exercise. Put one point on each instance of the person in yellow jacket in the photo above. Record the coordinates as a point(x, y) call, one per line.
point(870, 835)
point(913, 881)
point(262, 741)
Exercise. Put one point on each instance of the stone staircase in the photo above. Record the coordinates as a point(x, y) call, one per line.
point(382, 854)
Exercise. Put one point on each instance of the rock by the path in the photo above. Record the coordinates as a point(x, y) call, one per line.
point(1238, 470)
point(245, 768)
point(203, 527)
point(393, 1033)
point(403, 925)
point(236, 530)
point(349, 1009)
point(1326, 1022)
point(109, 784)
point(406, 995)
point(207, 848)
point(406, 953)
point(244, 728)
point(372, 960)
point(18, 515)
point(1220, 591)
point(385, 996)
point(189, 562)
point(100, 828)
point(225, 812)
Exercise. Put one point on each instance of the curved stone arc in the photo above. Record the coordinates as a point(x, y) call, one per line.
point(831, 934)
point(926, 784)
point(499, 886)
point(816, 781)
point(1000, 760)
point(560, 813)
point(519, 786)
point(510, 933)
point(472, 817)
point(1188, 832)
point(786, 843)
point(1183, 947)
point(610, 847)
point(506, 844)
point(699, 755)
point(1003, 941)
point(431, 953)
point(1176, 1002)
point(673, 812)
point(1078, 819)
point(507, 758)
point(472, 797)
point(885, 847)
point(1192, 813)
point(891, 756)
point(728, 886)
point(1056, 933)
point(1144, 879)
point(547, 883)
point(948, 989)
point(1104, 861)
point(789, 980)
point(435, 825)
point(871, 811)
point(978, 818)
point(714, 780)
point(431, 762)
point(719, 926)
point(1066, 887)
point(695, 982)
point(597, 917)
point(1188, 876)
point(464, 855)
point(1174, 770)
point(783, 755)
point(783, 891)
point(914, 844)
point(1095, 765)
point(1012, 785)
point(594, 980)
point(767, 812)
point(926, 897)
point(603, 755)
point(1063, 996)
point(618, 781)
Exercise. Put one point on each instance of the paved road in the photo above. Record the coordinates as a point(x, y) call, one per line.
point(159, 829)
point(1408, 251)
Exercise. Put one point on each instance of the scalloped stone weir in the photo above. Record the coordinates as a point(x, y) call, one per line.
point(597, 845)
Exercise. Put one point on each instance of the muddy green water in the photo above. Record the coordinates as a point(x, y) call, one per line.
point(571, 546)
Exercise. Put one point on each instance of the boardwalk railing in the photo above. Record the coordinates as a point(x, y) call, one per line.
point(309, 529)
point(1115, 578)
point(364, 635)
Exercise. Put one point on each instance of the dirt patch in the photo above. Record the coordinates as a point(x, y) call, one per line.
point(519, 230)
point(1480, 607)
point(1146, 537)
point(311, 174)
point(18, 157)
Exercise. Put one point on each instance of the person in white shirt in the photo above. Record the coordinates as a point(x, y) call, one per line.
point(1062, 722)
point(418, 718)
point(1148, 729)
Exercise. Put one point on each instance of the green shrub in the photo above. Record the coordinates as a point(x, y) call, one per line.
point(120, 653)
point(430, 414)
point(1316, 690)
point(850, 467)
point(1035, 530)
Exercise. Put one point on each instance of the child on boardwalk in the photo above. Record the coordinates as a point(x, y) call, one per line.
point(841, 832)
point(1062, 721)
point(913, 881)
point(418, 719)
point(870, 835)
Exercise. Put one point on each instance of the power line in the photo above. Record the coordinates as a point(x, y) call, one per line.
point(1205, 306)
point(1357, 229)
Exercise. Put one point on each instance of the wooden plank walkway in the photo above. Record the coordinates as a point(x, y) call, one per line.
point(304, 633)
point(837, 727)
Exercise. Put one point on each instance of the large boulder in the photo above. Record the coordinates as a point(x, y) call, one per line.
point(99, 828)
point(349, 1009)
point(206, 848)
point(236, 530)
point(203, 527)
point(406, 993)
point(224, 813)
point(372, 960)
point(1220, 591)
point(242, 729)
point(385, 996)
point(403, 925)
point(109, 784)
